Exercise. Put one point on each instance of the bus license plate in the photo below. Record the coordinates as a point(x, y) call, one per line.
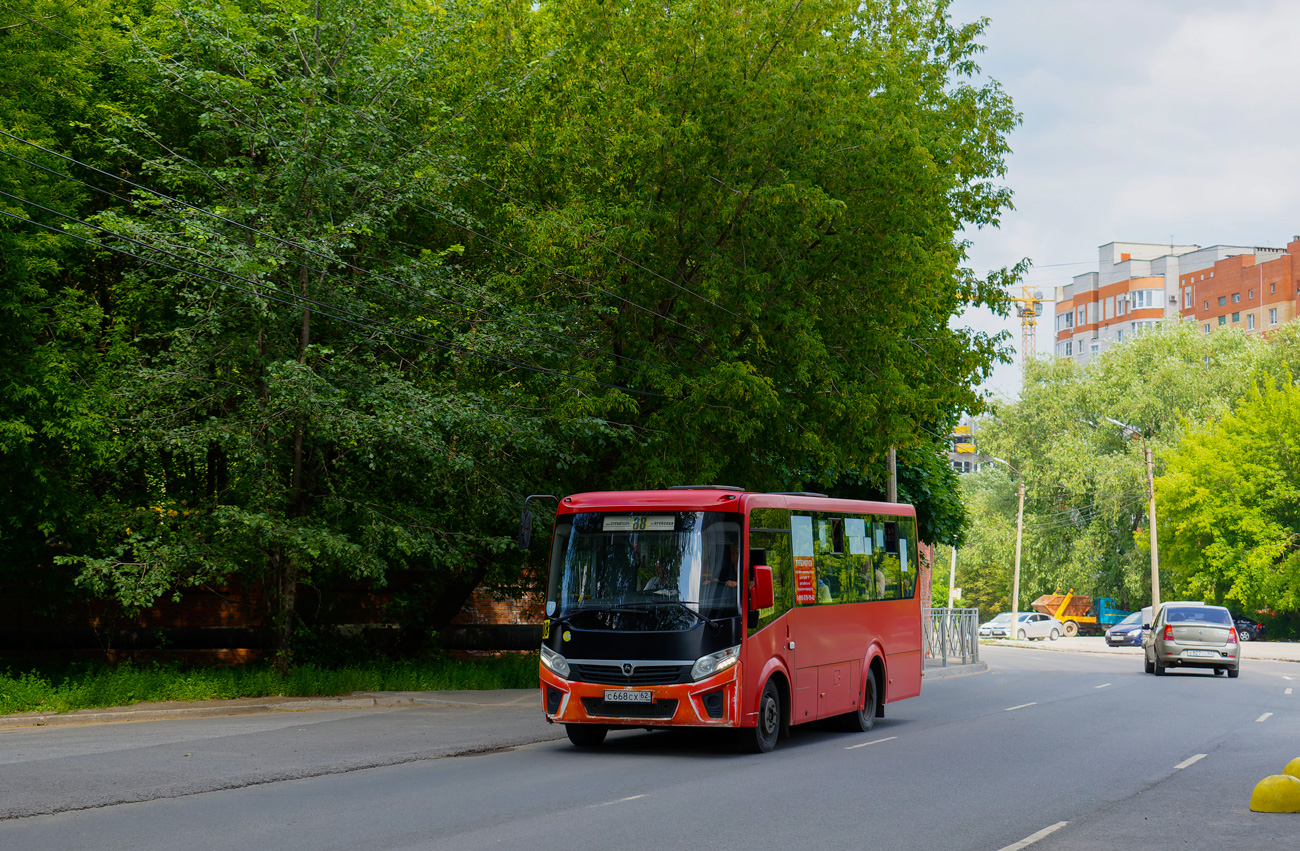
point(1200, 654)
point(625, 696)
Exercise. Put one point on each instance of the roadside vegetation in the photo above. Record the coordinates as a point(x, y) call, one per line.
point(69, 687)
point(1219, 412)
point(302, 298)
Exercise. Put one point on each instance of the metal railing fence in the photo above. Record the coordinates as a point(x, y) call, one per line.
point(951, 636)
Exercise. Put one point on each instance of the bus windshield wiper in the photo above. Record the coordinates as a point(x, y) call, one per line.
point(686, 604)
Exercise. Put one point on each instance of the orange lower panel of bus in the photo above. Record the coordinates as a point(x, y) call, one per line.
point(711, 702)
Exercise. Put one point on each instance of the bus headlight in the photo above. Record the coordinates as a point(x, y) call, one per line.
point(707, 666)
point(555, 662)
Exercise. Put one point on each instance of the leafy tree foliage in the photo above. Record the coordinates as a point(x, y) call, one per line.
point(303, 294)
point(986, 557)
point(53, 356)
point(755, 209)
point(1229, 503)
point(1086, 504)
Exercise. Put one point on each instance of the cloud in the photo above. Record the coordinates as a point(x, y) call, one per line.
point(1142, 122)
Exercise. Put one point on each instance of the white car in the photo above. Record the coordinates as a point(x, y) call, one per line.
point(1032, 625)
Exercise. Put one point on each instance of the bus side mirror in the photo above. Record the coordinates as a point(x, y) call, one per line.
point(760, 594)
point(525, 530)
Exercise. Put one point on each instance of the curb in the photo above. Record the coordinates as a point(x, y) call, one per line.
point(943, 671)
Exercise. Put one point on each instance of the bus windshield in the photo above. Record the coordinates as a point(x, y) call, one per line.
point(665, 570)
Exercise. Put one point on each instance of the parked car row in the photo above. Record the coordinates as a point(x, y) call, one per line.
point(1032, 625)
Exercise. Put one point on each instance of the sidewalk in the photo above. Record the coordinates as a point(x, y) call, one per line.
point(173, 710)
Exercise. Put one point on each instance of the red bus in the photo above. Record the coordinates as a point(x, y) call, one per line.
point(708, 606)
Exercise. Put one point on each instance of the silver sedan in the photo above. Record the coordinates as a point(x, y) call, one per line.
point(1191, 635)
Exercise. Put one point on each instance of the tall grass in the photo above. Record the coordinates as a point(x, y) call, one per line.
point(95, 686)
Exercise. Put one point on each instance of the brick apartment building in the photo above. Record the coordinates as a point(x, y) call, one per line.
point(1137, 285)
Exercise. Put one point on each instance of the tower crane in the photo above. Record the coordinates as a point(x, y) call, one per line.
point(1029, 306)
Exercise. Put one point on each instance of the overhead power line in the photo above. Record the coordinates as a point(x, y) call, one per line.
point(299, 247)
point(263, 290)
point(261, 127)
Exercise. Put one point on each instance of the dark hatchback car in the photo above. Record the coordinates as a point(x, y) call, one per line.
point(1248, 629)
point(1127, 632)
point(1192, 635)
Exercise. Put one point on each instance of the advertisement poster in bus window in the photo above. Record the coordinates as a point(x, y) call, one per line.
point(855, 529)
point(805, 576)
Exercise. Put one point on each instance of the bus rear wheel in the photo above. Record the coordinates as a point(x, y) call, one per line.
point(586, 735)
point(762, 737)
point(864, 718)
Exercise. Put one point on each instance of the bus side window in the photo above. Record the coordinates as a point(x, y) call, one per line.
point(889, 566)
point(769, 530)
point(828, 558)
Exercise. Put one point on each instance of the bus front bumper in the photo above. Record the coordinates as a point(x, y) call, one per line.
point(710, 702)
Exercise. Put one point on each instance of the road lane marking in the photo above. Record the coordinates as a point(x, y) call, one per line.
point(1103, 685)
point(1034, 837)
point(1264, 717)
point(1189, 761)
point(620, 801)
point(876, 742)
point(1288, 691)
point(1021, 706)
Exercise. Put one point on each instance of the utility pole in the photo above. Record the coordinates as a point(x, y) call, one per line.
point(1130, 432)
point(1020, 528)
point(1155, 558)
point(1015, 581)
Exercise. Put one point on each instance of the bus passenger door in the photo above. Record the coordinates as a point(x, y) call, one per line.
point(803, 660)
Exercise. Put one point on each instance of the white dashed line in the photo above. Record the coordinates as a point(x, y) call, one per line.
point(1103, 685)
point(1264, 717)
point(876, 742)
point(1288, 691)
point(1021, 706)
point(1034, 837)
point(621, 801)
point(1189, 761)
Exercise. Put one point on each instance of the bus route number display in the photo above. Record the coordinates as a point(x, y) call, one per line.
point(643, 523)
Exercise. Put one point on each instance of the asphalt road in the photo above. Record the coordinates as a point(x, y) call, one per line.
point(1081, 742)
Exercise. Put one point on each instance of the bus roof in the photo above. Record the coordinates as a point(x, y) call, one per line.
point(722, 499)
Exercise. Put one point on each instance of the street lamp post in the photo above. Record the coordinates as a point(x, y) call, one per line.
point(952, 578)
point(1020, 526)
point(1131, 433)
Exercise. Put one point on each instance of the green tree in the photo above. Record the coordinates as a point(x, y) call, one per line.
point(755, 210)
point(1086, 498)
point(1229, 502)
point(986, 558)
point(319, 395)
point(55, 357)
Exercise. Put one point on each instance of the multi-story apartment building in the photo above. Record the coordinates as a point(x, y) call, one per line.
point(1139, 284)
point(961, 448)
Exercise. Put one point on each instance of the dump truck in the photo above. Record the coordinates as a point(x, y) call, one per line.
point(1080, 614)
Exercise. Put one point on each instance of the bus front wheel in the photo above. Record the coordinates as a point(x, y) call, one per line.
point(586, 735)
point(762, 737)
point(864, 718)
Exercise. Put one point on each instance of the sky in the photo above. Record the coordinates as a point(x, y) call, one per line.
point(1142, 121)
